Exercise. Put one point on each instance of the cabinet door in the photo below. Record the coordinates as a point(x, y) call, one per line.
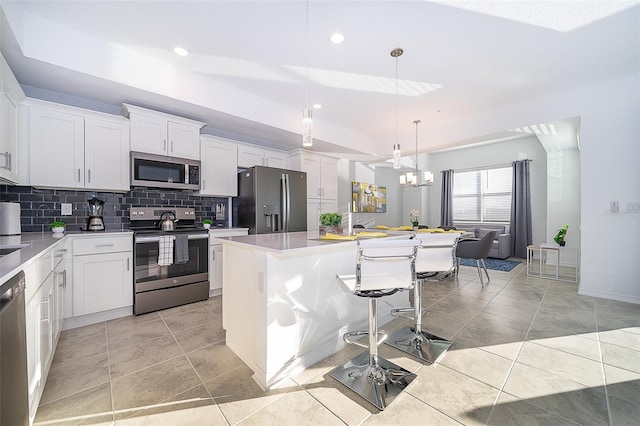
point(219, 168)
point(106, 154)
point(60, 289)
point(311, 165)
point(313, 214)
point(8, 139)
point(102, 282)
point(328, 206)
point(215, 267)
point(275, 159)
point(56, 149)
point(329, 178)
point(34, 369)
point(249, 156)
point(184, 140)
point(47, 312)
point(148, 134)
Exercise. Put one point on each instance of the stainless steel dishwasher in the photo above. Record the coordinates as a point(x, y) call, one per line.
point(14, 398)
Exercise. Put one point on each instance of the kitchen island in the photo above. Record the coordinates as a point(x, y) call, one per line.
point(283, 308)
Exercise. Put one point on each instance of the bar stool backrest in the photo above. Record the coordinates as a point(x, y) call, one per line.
point(437, 252)
point(384, 264)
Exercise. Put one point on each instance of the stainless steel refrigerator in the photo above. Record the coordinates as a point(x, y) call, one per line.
point(271, 200)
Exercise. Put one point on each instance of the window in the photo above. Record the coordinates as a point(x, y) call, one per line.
point(482, 195)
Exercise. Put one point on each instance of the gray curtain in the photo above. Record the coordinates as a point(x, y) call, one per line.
point(520, 209)
point(446, 207)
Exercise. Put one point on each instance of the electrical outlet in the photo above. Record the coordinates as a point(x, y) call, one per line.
point(65, 209)
point(614, 207)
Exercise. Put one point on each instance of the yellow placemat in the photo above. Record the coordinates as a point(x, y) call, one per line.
point(432, 230)
point(371, 234)
point(338, 237)
point(402, 228)
point(382, 227)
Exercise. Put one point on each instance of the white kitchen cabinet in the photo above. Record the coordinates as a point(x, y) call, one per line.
point(8, 139)
point(215, 257)
point(106, 153)
point(322, 184)
point(315, 207)
point(43, 320)
point(155, 132)
point(60, 283)
point(102, 274)
point(219, 167)
point(76, 148)
point(10, 95)
point(249, 156)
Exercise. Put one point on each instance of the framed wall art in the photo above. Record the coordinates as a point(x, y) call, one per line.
point(368, 198)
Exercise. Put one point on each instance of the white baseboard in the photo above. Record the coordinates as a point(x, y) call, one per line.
point(75, 322)
point(609, 295)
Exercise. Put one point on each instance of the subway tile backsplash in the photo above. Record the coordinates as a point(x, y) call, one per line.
point(39, 207)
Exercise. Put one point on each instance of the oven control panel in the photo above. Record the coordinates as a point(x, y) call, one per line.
point(155, 213)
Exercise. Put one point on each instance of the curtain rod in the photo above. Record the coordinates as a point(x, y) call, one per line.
point(493, 166)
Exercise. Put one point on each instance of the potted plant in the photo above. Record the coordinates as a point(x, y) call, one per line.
point(559, 238)
point(330, 223)
point(414, 217)
point(207, 223)
point(57, 226)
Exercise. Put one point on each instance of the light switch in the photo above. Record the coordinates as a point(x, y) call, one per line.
point(65, 209)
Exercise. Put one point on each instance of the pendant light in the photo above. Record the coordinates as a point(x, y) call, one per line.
point(413, 178)
point(307, 116)
point(396, 53)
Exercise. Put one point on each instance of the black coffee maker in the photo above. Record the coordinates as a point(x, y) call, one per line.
point(95, 222)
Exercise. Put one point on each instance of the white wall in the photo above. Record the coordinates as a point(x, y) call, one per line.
point(609, 156)
point(498, 154)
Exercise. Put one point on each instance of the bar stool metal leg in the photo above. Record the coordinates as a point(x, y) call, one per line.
point(413, 340)
point(370, 376)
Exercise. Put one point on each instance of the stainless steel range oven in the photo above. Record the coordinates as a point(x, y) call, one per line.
point(171, 266)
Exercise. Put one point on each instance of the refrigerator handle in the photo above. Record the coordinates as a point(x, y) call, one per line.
point(284, 210)
point(288, 215)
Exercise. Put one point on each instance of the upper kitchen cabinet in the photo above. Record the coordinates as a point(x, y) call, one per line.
point(219, 164)
point(322, 174)
point(250, 155)
point(164, 134)
point(78, 149)
point(322, 184)
point(10, 95)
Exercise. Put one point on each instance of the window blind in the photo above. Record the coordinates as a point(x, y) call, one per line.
point(482, 195)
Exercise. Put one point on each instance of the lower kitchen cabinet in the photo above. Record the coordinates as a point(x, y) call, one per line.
point(44, 319)
point(102, 274)
point(215, 257)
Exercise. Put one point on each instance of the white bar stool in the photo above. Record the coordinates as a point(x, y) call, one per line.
point(436, 254)
point(383, 266)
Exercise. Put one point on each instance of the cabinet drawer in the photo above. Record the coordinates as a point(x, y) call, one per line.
point(98, 245)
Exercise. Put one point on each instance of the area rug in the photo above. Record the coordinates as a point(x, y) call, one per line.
point(496, 264)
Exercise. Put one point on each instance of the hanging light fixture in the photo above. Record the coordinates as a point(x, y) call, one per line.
point(396, 53)
point(413, 178)
point(307, 116)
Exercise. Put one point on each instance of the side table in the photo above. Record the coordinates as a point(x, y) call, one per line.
point(539, 255)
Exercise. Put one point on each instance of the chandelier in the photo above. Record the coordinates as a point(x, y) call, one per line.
point(413, 178)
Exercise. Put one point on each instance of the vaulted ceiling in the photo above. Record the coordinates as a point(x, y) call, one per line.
point(250, 61)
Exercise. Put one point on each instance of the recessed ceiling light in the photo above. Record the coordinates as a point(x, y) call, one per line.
point(181, 51)
point(336, 38)
point(317, 106)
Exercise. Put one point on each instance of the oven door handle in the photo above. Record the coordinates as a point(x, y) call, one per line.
point(155, 239)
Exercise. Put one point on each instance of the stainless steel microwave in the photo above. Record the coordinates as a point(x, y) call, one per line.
point(160, 171)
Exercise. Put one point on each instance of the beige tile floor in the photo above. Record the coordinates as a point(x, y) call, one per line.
point(527, 351)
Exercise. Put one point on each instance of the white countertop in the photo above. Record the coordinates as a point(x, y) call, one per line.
point(283, 241)
point(32, 245)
